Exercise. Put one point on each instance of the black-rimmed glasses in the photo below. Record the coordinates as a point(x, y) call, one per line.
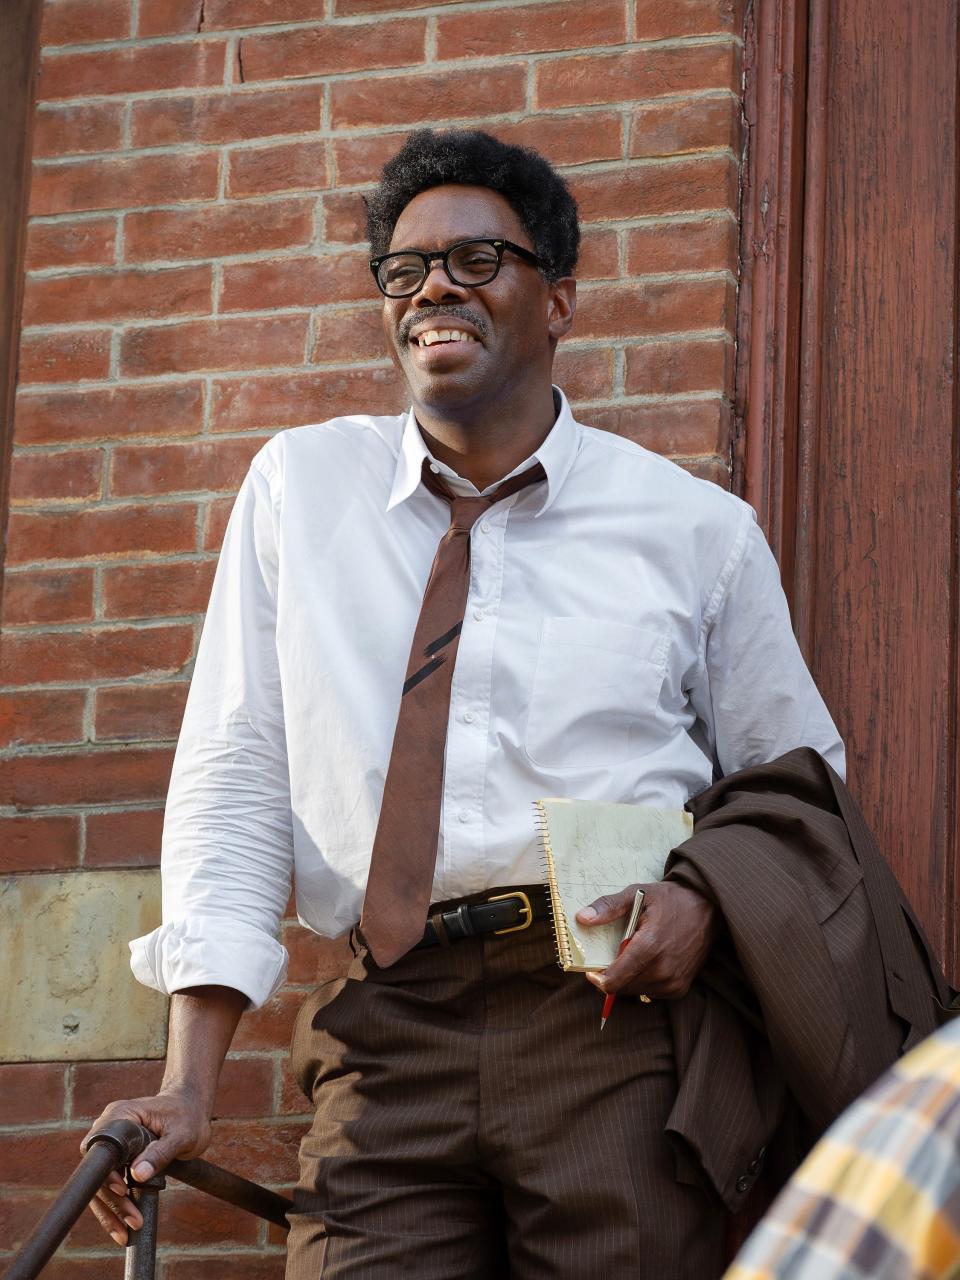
point(468, 263)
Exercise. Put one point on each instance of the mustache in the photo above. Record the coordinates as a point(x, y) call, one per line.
point(434, 315)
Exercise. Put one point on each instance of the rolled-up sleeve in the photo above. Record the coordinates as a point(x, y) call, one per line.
point(754, 693)
point(227, 840)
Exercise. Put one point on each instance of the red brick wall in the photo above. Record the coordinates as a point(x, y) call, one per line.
point(196, 280)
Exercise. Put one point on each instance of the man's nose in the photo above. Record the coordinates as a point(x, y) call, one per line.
point(438, 287)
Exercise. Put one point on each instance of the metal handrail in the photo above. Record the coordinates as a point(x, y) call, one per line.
point(116, 1146)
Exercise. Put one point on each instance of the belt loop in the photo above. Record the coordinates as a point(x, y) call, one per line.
point(440, 929)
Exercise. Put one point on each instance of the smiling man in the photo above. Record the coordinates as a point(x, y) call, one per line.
point(420, 625)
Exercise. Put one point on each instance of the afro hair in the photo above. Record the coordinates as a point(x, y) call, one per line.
point(467, 157)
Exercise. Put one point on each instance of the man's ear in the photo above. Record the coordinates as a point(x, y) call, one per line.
point(561, 307)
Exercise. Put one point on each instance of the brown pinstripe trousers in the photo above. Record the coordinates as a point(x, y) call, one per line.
point(473, 1123)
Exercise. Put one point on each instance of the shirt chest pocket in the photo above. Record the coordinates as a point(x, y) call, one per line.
point(593, 685)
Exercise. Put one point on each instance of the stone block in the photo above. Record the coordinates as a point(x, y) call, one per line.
point(67, 992)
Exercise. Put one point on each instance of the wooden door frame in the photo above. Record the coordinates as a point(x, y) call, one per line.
point(778, 432)
point(19, 59)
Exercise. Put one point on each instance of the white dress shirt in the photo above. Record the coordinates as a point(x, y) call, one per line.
point(626, 639)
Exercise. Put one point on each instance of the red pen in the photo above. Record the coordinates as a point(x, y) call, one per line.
point(628, 933)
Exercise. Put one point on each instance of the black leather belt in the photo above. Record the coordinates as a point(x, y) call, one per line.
point(501, 913)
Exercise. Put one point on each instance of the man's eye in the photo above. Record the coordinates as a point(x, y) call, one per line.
point(400, 272)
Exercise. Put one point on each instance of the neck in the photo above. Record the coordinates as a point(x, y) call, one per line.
point(485, 445)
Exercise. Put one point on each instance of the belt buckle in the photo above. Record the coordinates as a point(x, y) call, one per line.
point(525, 908)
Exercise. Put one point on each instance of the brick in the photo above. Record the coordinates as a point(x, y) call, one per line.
point(286, 166)
point(139, 711)
point(710, 245)
point(86, 777)
point(73, 476)
point(655, 306)
point(155, 590)
point(195, 1218)
point(354, 333)
point(227, 117)
point(126, 838)
point(178, 468)
point(117, 295)
point(95, 1084)
point(658, 21)
point(215, 522)
point(266, 1152)
point(675, 429)
point(292, 399)
point(64, 357)
point(636, 74)
point(95, 654)
point(101, 532)
point(344, 219)
point(672, 368)
point(695, 124)
point(78, 21)
point(39, 844)
point(31, 1092)
point(89, 126)
point(20, 1211)
point(87, 242)
point(599, 256)
point(141, 69)
point(218, 231)
point(438, 95)
point(56, 417)
point(534, 29)
point(329, 50)
point(297, 282)
point(213, 344)
point(270, 1025)
point(34, 717)
point(105, 1266)
point(301, 945)
point(585, 375)
point(123, 182)
point(66, 595)
point(679, 186)
point(171, 17)
point(39, 1157)
point(252, 1266)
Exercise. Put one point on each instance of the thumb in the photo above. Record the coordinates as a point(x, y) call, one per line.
point(611, 906)
point(158, 1155)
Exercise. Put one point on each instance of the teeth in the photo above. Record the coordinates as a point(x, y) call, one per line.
point(443, 335)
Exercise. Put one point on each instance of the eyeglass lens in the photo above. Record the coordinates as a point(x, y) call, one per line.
point(468, 264)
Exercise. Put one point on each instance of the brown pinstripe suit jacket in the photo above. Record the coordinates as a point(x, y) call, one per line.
point(820, 979)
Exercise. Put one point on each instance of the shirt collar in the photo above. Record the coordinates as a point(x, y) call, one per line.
point(556, 455)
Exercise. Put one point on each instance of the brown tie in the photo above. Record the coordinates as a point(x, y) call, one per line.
point(405, 846)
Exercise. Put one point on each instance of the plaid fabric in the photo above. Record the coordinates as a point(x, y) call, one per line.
point(878, 1198)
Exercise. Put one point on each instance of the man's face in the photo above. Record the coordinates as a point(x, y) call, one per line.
point(506, 339)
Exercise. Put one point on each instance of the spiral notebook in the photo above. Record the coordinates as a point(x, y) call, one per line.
point(590, 849)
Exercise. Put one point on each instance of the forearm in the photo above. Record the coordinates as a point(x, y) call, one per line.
point(203, 1021)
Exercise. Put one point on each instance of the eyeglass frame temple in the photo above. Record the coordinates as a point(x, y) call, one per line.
point(443, 255)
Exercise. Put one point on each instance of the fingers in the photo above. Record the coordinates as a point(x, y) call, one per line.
point(115, 1211)
point(611, 906)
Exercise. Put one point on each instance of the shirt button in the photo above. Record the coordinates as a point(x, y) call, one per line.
point(478, 615)
point(485, 527)
point(469, 717)
point(743, 1184)
point(434, 468)
point(463, 816)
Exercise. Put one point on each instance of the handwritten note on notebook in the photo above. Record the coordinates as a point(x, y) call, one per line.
point(591, 849)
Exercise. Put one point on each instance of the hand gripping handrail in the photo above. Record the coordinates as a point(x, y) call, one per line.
point(116, 1146)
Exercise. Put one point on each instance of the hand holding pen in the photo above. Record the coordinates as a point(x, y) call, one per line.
point(628, 933)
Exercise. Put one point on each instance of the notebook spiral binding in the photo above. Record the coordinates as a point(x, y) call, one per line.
point(557, 918)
